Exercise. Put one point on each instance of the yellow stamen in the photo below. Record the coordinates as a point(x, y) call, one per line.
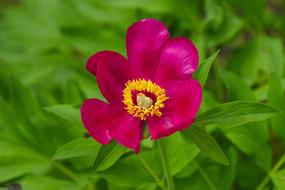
point(145, 105)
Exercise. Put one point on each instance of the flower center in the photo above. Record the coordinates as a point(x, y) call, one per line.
point(144, 101)
point(143, 98)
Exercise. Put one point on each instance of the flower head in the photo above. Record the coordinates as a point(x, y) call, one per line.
point(153, 86)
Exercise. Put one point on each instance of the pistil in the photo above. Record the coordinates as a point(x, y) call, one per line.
point(144, 101)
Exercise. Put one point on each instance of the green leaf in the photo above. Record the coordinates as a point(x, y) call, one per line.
point(203, 71)
point(150, 186)
point(183, 157)
point(276, 56)
point(108, 155)
point(260, 54)
point(206, 143)
point(10, 171)
point(47, 183)
point(229, 172)
point(97, 11)
point(126, 175)
point(189, 170)
point(236, 87)
point(17, 160)
point(279, 179)
point(89, 88)
point(112, 186)
point(157, 6)
point(68, 112)
point(250, 138)
point(251, 10)
point(221, 24)
point(6, 117)
point(16, 150)
point(76, 148)
point(180, 152)
point(276, 98)
point(25, 114)
point(23, 98)
point(235, 113)
point(151, 158)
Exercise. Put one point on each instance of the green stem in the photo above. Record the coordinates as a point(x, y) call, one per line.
point(165, 164)
point(207, 179)
point(152, 173)
point(66, 171)
point(274, 169)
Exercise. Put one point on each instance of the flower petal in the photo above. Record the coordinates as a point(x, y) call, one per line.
point(160, 127)
point(111, 70)
point(178, 61)
point(145, 40)
point(93, 112)
point(127, 130)
point(180, 109)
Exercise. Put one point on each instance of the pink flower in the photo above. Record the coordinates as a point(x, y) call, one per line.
point(154, 86)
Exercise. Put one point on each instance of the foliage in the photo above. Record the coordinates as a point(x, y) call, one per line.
point(44, 46)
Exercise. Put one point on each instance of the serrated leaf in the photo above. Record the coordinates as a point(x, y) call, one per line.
point(77, 148)
point(108, 155)
point(203, 71)
point(68, 112)
point(235, 113)
point(206, 143)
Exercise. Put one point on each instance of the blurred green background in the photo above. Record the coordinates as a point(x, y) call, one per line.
point(44, 46)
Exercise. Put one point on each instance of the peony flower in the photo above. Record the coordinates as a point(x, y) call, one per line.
point(151, 88)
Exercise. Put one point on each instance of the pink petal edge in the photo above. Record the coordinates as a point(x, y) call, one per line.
point(112, 72)
point(145, 40)
point(179, 60)
point(93, 112)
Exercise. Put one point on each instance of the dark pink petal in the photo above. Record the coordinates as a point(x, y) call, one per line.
point(178, 61)
point(145, 40)
point(111, 70)
point(127, 130)
point(180, 109)
point(160, 126)
point(92, 62)
point(93, 113)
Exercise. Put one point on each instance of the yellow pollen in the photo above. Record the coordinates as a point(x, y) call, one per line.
point(144, 106)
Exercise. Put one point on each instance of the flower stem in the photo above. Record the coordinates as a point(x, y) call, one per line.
point(274, 169)
point(66, 171)
point(165, 164)
point(207, 179)
point(152, 173)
